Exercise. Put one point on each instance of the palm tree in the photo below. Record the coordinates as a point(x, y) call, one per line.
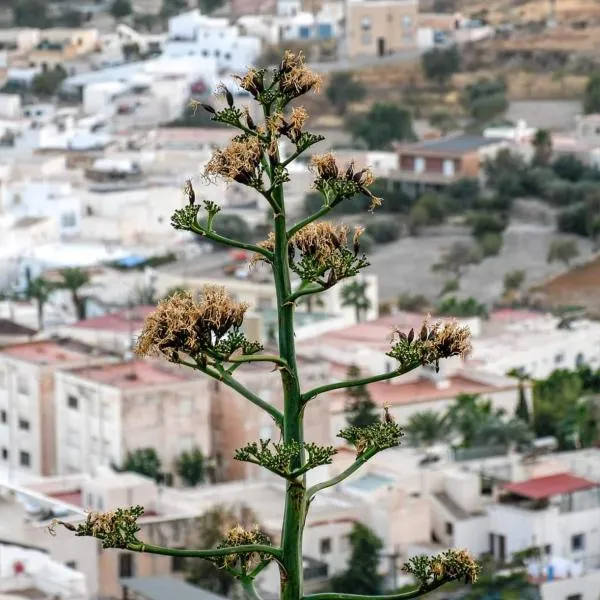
point(40, 290)
point(469, 414)
point(74, 279)
point(355, 294)
point(427, 428)
point(497, 431)
point(311, 302)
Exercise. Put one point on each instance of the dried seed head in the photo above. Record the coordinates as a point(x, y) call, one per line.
point(325, 166)
point(295, 78)
point(358, 231)
point(238, 161)
point(252, 82)
point(179, 323)
point(275, 122)
point(298, 117)
point(224, 91)
point(268, 244)
point(451, 565)
point(238, 536)
point(320, 240)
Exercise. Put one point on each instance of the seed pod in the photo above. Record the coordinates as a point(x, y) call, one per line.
point(411, 336)
point(424, 333)
point(208, 108)
point(349, 171)
point(387, 417)
point(228, 97)
point(189, 192)
point(251, 124)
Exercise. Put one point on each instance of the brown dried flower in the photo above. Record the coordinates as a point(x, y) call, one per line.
point(252, 82)
point(324, 166)
point(179, 323)
point(298, 117)
point(451, 565)
point(321, 239)
point(295, 78)
point(238, 536)
point(431, 344)
point(238, 161)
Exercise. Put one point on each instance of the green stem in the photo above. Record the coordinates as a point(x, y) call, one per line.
point(234, 384)
point(357, 464)
point(307, 291)
point(298, 226)
point(416, 593)
point(249, 589)
point(211, 553)
point(306, 397)
point(212, 235)
point(250, 358)
point(293, 430)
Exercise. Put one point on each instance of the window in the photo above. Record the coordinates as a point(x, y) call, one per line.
point(4, 453)
point(325, 545)
point(345, 543)
point(24, 424)
point(126, 565)
point(24, 459)
point(68, 220)
point(578, 542)
point(3, 416)
point(185, 406)
point(449, 528)
point(407, 21)
point(548, 549)
point(365, 23)
point(366, 39)
point(419, 165)
point(177, 564)
point(559, 358)
point(579, 360)
point(71, 564)
point(575, 597)
point(448, 168)
point(22, 385)
point(73, 402)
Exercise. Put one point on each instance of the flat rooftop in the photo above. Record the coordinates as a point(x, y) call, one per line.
point(130, 375)
point(121, 321)
point(459, 144)
point(50, 352)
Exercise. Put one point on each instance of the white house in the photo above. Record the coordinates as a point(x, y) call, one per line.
point(42, 199)
point(193, 34)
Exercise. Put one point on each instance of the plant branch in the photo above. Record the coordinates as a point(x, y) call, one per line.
point(228, 380)
point(298, 226)
point(250, 358)
point(307, 291)
point(249, 588)
point(208, 554)
point(359, 462)
point(307, 396)
point(212, 235)
point(416, 593)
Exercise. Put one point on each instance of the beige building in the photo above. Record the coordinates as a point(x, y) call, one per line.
point(381, 27)
point(57, 46)
point(105, 411)
point(27, 409)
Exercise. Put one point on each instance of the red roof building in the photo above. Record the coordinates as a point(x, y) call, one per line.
point(542, 488)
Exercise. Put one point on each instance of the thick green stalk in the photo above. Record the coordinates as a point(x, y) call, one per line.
point(295, 500)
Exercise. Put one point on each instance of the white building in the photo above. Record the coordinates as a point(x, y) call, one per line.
point(193, 34)
point(105, 411)
point(27, 411)
point(44, 200)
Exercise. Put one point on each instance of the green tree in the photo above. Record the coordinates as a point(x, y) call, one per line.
point(443, 121)
point(74, 279)
point(190, 466)
point(569, 167)
point(591, 96)
point(413, 302)
point(456, 259)
point(176, 289)
point(206, 334)
point(513, 280)
point(468, 416)
point(381, 125)
point(427, 428)
point(522, 410)
point(361, 575)
point(449, 287)
point(453, 307)
point(490, 244)
point(209, 531)
point(485, 99)
point(171, 8)
point(40, 290)
point(343, 89)
point(208, 6)
point(564, 251)
point(361, 411)
point(120, 9)
point(47, 82)
point(542, 147)
point(144, 461)
point(439, 64)
point(31, 13)
point(384, 231)
point(355, 295)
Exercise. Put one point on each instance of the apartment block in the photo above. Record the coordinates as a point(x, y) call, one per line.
point(104, 411)
point(27, 408)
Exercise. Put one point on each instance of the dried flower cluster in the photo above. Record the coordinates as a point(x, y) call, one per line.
point(180, 324)
point(337, 185)
point(239, 161)
point(431, 344)
point(238, 536)
point(451, 565)
point(253, 82)
point(278, 457)
point(295, 78)
point(115, 529)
